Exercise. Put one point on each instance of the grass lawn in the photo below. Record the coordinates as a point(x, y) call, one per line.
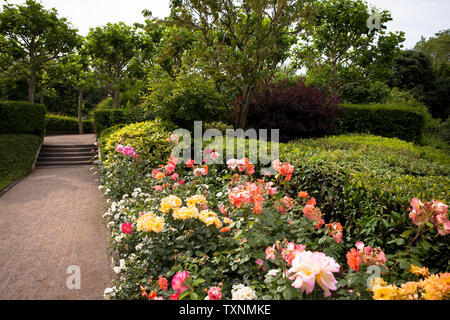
point(19, 151)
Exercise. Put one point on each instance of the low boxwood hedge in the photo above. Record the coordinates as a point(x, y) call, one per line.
point(367, 182)
point(66, 124)
point(393, 121)
point(22, 117)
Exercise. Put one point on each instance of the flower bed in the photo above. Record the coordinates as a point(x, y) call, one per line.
point(225, 233)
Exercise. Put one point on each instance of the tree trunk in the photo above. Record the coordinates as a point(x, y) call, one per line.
point(243, 108)
point(41, 98)
point(31, 85)
point(116, 98)
point(334, 85)
point(80, 106)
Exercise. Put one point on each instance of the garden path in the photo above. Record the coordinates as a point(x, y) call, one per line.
point(49, 221)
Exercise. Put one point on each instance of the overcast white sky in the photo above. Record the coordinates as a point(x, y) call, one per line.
point(415, 17)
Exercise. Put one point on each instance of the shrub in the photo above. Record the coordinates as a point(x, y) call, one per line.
point(223, 127)
point(385, 120)
point(186, 98)
point(17, 162)
point(22, 117)
point(106, 118)
point(298, 110)
point(148, 138)
point(372, 92)
point(104, 136)
point(367, 183)
point(65, 124)
point(445, 130)
point(217, 227)
point(404, 98)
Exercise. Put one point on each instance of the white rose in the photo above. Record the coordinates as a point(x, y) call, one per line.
point(273, 272)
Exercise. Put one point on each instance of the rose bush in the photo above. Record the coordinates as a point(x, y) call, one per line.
point(220, 232)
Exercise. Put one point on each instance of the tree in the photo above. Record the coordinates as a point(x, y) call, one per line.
point(34, 36)
point(438, 49)
point(240, 42)
point(170, 43)
point(339, 49)
point(77, 73)
point(112, 49)
point(413, 72)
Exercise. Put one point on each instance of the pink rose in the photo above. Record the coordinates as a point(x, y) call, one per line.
point(190, 163)
point(127, 227)
point(359, 245)
point(178, 280)
point(214, 293)
point(169, 168)
point(119, 148)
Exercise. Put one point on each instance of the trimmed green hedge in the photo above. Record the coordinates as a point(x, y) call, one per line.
point(107, 118)
point(22, 117)
point(148, 138)
point(17, 161)
point(65, 124)
point(367, 182)
point(393, 121)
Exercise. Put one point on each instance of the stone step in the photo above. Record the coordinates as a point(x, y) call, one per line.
point(64, 155)
point(68, 149)
point(51, 154)
point(68, 146)
point(62, 164)
point(63, 159)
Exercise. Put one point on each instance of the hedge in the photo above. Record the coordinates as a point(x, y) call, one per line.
point(107, 118)
point(16, 163)
point(367, 182)
point(148, 138)
point(22, 117)
point(66, 124)
point(392, 121)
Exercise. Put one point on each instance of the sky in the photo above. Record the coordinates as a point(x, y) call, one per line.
point(415, 17)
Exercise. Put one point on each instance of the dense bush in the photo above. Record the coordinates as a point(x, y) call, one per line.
point(239, 233)
point(65, 124)
point(385, 120)
point(298, 110)
point(372, 92)
point(223, 127)
point(148, 138)
point(19, 158)
point(367, 182)
point(186, 98)
point(22, 117)
point(105, 118)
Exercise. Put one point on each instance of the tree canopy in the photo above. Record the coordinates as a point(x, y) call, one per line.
point(241, 42)
point(32, 36)
point(339, 46)
point(112, 49)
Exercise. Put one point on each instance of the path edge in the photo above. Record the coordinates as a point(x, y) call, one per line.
point(12, 184)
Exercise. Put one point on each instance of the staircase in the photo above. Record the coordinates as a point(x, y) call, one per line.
point(60, 155)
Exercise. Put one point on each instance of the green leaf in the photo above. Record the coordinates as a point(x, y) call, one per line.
point(406, 233)
point(197, 282)
point(287, 294)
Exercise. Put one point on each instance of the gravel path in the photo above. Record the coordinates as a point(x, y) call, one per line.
point(48, 222)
